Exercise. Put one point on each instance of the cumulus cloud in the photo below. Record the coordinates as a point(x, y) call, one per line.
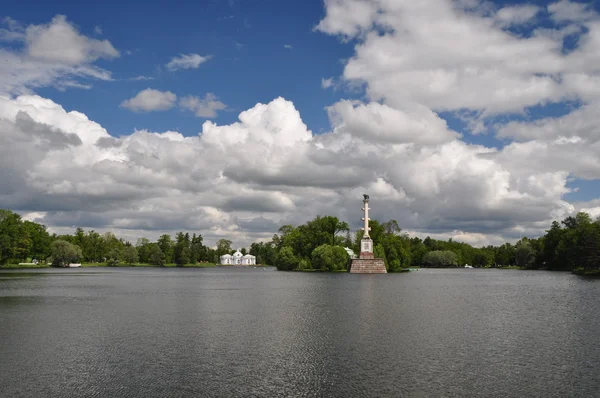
point(206, 107)
point(58, 41)
point(149, 100)
point(382, 123)
point(450, 59)
point(187, 61)
point(516, 15)
point(55, 53)
point(566, 10)
point(242, 180)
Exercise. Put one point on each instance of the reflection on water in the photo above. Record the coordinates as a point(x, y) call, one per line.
point(246, 332)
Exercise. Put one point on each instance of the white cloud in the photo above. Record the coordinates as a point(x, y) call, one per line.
point(139, 78)
point(583, 122)
point(348, 18)
point(382, 123)
point(326, 83)
point(59, 41)
point(187, 61)
point(450, 59)
point(149, 100)
point(516, 15)
point(206, 107)
point(565, 10)
point(55, 53)
point(243, 180)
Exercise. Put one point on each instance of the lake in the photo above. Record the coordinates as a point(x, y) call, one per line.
point(225, 332)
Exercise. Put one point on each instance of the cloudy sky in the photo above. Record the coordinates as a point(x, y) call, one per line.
point(465, 119)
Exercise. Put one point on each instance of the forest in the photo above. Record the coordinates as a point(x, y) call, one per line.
point(571, 244)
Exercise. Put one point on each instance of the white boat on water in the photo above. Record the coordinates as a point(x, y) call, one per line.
point(74, 265)
point(468, 266)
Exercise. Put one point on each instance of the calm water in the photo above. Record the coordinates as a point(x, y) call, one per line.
point(253, 332)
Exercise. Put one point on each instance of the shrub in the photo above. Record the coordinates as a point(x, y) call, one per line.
point(440, 258)
point(64, 253)
point(286, 260)
point(330, 258)
point(304, 265)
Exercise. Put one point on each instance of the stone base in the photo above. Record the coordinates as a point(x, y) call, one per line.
point(367, 266)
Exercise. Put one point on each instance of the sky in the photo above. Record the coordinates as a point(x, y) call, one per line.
point(464, 119)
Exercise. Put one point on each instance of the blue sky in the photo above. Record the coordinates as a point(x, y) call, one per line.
point(261, 50)
point(249, 62)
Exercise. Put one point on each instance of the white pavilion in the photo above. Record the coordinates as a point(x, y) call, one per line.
point(238, 258)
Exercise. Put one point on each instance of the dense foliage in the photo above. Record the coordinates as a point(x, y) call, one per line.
point(64, 253)
point(573, 243)
point(440, 258)
point(23, 241)
point(317, 245)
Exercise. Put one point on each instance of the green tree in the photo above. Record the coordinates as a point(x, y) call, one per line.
point(182, 249)
point(112, 258)
point(64, 253)
point(95, 246)
point(40, 240)
point(155, 255)
point(482, 258)
point(198, 250)
point(524, 255)
point(330, 258)
point(165, 243)
point(286, 260)
point(505, 255)
point(10, 233)
point(440, 258)
point(304, 264)
point(110, 243)
point(130, 255)
point(143, 250)
point(223, 247)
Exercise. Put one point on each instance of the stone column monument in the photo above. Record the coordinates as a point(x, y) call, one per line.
point(366, 263)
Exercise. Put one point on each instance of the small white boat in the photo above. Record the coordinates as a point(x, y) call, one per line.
point(72, 265)
point(468, 266)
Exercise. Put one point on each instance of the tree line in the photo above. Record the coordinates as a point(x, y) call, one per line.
point(22, 241)
point(573, 243)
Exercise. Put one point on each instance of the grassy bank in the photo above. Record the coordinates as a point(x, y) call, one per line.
point(91, 265)
point(582, 271)
point(23, 266)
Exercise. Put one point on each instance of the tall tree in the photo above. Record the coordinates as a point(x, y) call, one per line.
point(223, 246)
point(130, 255)
point(155, 255)
point(166, 247)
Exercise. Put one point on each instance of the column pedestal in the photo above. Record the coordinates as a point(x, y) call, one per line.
point(367, 263)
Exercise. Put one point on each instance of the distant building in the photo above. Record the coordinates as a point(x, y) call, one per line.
point(248, 259)
point(226, 259)
point(237, 259)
